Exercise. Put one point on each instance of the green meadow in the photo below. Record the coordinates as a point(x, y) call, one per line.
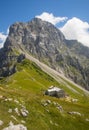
point(26, 88)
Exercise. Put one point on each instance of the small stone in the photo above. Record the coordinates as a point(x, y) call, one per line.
point(74, 113)
point(47, 110)
point(51, 122)
point(1, 122)
point(56, 124)
point(58, 105)
point(23, 122)
point(17, 111)
point(54, 103)
point(87, 119)
point(60, 108)
point(1, 96)
point(14, 118)
point(24, 112)
point(48, 101)
point(16, 101)
point(10, 99)
point(45, 104)
point(74, 100)
point(10, 110)
point(6, 100)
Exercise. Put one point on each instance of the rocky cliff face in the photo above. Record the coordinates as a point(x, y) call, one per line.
point(46, 43)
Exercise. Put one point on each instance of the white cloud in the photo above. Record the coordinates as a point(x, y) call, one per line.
point(73, 29)
point(51, 18)
point(76, 29)
point(2, 39)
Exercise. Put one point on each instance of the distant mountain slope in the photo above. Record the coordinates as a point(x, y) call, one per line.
point(46, 43)
point(77, 47)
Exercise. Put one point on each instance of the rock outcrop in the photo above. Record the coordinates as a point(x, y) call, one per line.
point(15, 127)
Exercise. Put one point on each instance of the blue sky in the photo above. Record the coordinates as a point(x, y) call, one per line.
point(24, 10)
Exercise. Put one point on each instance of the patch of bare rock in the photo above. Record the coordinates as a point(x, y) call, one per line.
point(15, 127)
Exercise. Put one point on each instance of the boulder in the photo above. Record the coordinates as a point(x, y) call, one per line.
point(74, 113)
point(15, 127)
point(20, 58)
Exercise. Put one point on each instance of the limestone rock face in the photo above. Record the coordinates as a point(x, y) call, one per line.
point(40, 38)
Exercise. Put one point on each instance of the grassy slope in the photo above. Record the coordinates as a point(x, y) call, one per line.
point(27, 86)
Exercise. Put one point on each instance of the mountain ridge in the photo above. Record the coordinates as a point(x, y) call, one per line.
point(47, 43)
point(32, 61)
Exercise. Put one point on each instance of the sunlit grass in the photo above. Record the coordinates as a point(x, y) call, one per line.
point(27, 86)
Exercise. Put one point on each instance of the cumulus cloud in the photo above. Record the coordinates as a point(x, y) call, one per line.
point(2, 39)
point(49, 17)
point(76, 29)
point(73, 29)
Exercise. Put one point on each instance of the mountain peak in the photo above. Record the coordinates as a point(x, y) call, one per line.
point(25, 33)
point(45, 42)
